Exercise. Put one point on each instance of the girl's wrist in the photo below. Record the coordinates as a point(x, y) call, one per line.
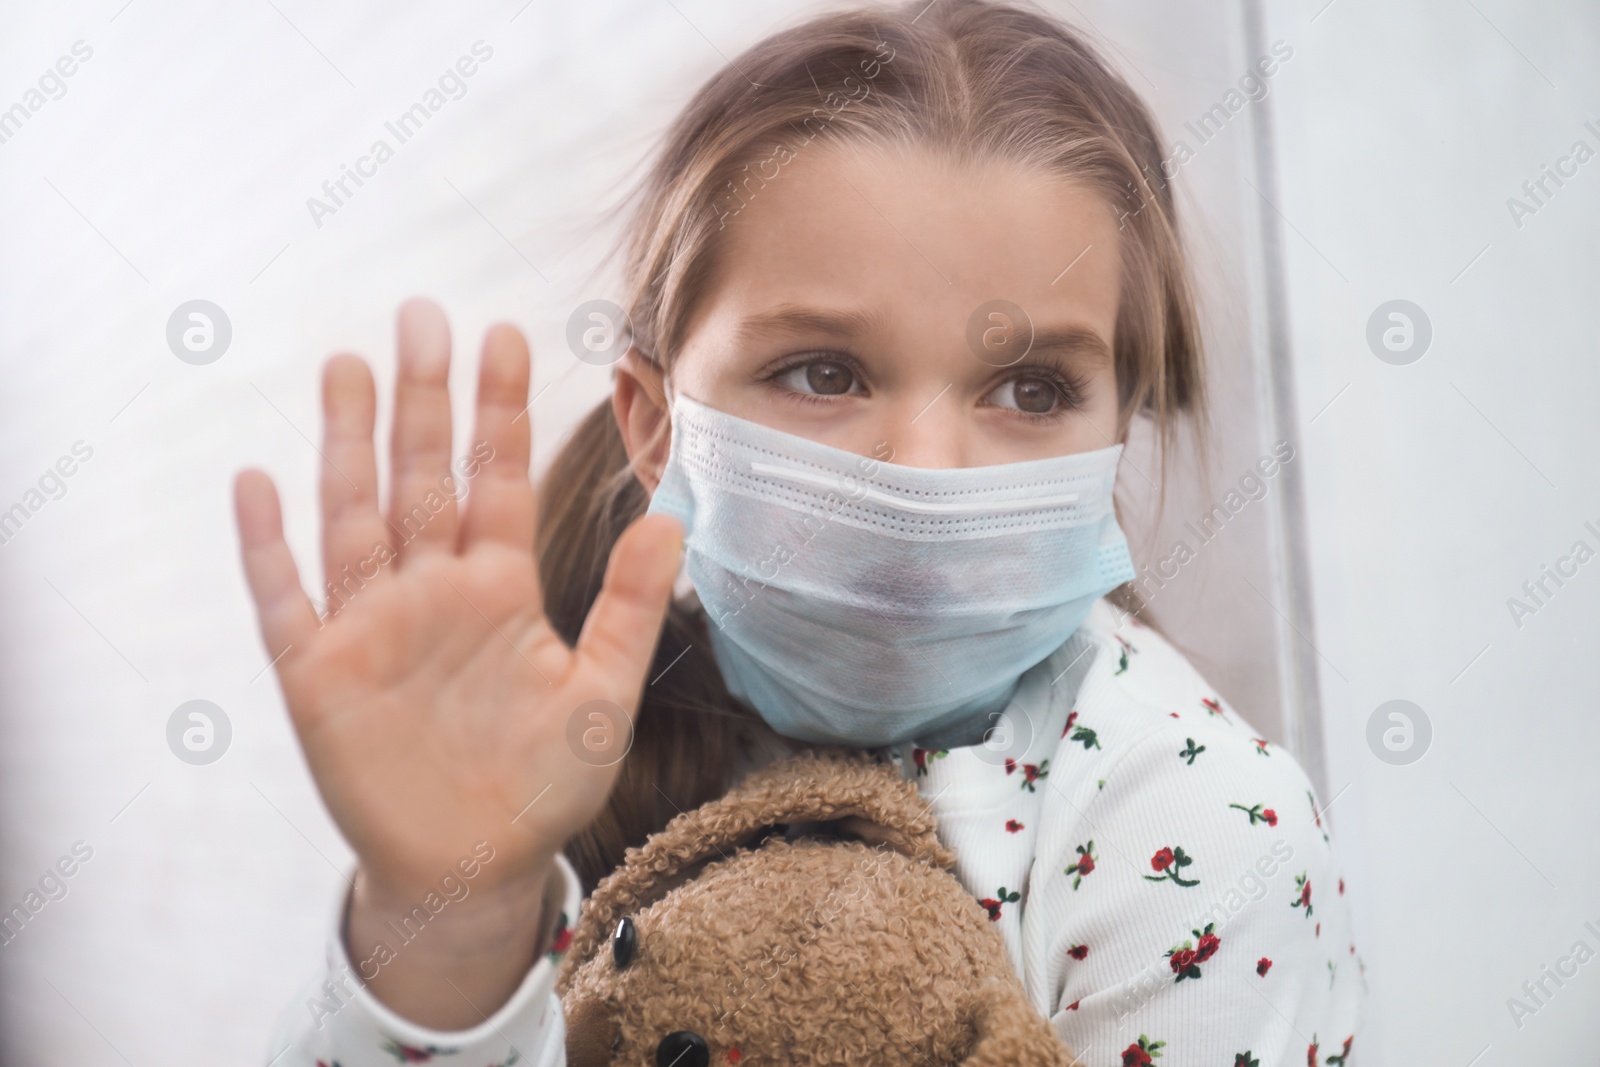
point(450, 969)
point(482, 922)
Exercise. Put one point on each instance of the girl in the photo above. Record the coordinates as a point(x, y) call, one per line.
point(896, 286)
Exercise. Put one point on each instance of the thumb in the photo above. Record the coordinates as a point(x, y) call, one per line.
point(620, 634)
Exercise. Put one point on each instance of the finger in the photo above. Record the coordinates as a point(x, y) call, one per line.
point(355, 541)
point(619, 636)
point(287, 619)
point(500, 505)
point(422, 511)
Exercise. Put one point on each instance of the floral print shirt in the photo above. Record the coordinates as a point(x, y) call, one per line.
point(1163, 878)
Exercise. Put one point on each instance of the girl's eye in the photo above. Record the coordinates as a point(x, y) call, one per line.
point(1042, 396)
point(1031, 396)
point(821, 377)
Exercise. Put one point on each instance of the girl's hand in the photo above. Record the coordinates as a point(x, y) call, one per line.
point(435, 703)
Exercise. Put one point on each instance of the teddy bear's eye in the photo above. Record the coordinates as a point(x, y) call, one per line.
point(683, 1048)
point(624, 943)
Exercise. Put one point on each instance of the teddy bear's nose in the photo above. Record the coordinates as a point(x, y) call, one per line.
point(683, 1048)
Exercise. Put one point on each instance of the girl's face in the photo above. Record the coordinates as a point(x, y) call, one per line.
point(849, 307)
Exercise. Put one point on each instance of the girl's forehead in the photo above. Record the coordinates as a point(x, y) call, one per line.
point(910, 233)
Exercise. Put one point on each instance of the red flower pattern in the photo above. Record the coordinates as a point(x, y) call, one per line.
point(1140, 1052)
point(1258, 813)
point(1031, 772)
point(1171, 861)
point(1303, 898)
point(1084, 866)
point(404, 1053)
point(1185, 959)
point(1084, 736)
point(993, 904)
point(562, 940)
point(921, 756)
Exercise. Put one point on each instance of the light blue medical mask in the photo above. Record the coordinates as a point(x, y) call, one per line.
point(867, 603)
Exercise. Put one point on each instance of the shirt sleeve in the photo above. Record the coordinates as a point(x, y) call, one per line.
point(1214, 927)
point(333, 1021)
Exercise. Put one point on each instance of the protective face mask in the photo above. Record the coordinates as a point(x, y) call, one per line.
point(866, 603)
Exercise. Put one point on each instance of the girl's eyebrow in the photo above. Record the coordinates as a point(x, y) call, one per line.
point(785, 319)
point(1071, 341)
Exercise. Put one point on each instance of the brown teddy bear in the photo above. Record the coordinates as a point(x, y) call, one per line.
point(807, 917)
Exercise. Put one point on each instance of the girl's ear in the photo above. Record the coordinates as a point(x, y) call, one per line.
point(640, 405)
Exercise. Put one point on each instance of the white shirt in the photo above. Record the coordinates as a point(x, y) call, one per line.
point(1161, 875)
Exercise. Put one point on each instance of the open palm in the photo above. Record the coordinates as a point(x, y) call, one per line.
point(436, 705)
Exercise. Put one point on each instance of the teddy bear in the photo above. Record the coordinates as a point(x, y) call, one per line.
point(807, 917)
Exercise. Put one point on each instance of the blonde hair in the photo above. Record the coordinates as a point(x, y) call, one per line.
point(978, 80)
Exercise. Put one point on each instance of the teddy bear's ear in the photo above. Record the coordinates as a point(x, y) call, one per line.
point(831, 784)
point(1009, 1030)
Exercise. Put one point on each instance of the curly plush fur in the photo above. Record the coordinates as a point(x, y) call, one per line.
point(807, 917)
